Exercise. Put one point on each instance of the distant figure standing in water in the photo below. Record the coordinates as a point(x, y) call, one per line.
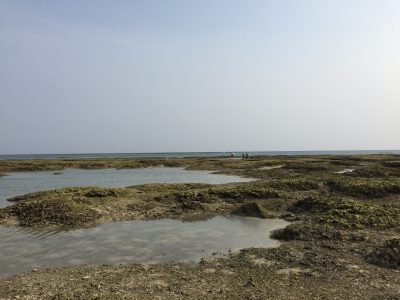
point(242, 155)
point(247, 155)
point(232, 154)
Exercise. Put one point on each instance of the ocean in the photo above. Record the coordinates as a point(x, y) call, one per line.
point(192, 154)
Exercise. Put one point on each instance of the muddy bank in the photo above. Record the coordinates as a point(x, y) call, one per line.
point(343, 243)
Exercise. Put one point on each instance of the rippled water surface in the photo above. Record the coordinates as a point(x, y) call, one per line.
point(146, 242)
point(19, 183)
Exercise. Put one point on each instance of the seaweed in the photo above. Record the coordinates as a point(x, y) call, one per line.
point(295, 184)
point(386, 255)
point(348, 213)
point(367, 187)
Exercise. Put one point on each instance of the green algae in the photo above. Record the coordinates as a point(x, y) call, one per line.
point(349, 213)
point(72, 192)
point(170, 187)
point(386, 255)
point(52, 211)
point(67, 207)
point(309, 166)
point(365, 187)
point(85, 206)
point(392, 164)
point(241, 192)
point(245, 192)
point(370, 172)
point(307, 231)
point(296, 184)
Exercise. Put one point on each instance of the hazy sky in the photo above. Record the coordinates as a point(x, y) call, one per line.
point(154, 76)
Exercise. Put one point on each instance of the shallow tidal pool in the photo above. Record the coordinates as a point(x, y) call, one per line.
point(146, 242)
point(19, 183)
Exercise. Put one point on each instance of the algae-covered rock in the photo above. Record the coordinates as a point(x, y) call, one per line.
point(370, 171)
point(104, 192)
point(308, 166)
point(348, 213)
point(365, 187)
point(170, 187)
point(288, 216)
point(386, 255)
point(251, 209)
point(251, 192)
point(71, 192)
point(186, 196)
point(53, 212)
point(392, 164)
point(295, 184)
point(66, 207)
point(191, 205)
point(214, 194)
point(306, 232)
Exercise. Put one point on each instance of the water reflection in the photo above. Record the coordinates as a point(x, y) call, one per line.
point(146, 242)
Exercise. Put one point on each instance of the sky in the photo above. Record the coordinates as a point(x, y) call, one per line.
point(164, 76)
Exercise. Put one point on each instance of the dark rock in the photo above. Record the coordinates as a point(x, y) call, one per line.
point(289, 217)
point(307, 232)
point(252, 209)
point(386, 255)
point(249, 283)
point(191, 205)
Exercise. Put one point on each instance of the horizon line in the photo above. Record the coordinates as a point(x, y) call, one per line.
point(228, 151)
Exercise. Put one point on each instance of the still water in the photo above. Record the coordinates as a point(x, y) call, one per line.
point(146, 242)
point(19, 183)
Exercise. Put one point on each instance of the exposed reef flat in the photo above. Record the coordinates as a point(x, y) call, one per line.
point(343, 242)
point(259, 163)
point(89, 206)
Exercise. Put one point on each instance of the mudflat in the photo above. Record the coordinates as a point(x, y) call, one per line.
point(343, 242)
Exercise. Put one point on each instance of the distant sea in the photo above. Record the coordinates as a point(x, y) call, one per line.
point(193, 154)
